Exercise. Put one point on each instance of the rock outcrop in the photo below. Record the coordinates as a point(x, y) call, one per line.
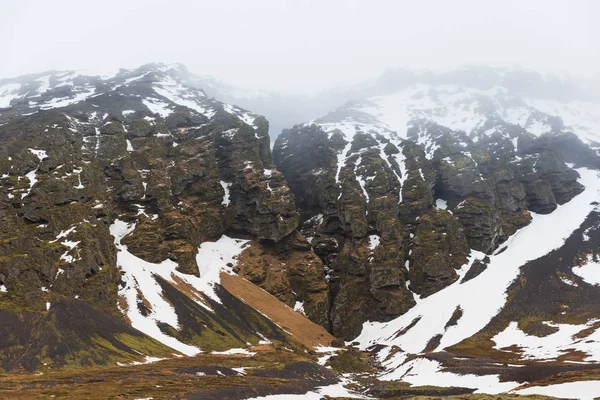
point(394, 214)
point(146, 148)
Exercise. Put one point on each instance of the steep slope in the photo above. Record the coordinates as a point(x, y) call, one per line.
point(116, 197)
point(434, 205)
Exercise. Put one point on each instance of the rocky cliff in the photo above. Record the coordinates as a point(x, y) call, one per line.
point(394, 191)
point(109, 188)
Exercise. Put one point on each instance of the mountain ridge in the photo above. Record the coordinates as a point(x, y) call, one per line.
point(144, 220)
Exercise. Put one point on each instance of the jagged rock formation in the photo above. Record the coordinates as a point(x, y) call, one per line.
point(129, 203)
point(78, 153)
point(395, 190)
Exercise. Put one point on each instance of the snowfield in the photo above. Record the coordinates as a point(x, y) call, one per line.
point(463, 108)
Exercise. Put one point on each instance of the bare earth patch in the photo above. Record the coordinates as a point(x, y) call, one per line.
point(302, 329)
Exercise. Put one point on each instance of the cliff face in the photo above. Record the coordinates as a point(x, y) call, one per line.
point(393, 195)
point(78, 154)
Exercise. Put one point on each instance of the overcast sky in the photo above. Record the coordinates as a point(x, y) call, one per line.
point(298, 45)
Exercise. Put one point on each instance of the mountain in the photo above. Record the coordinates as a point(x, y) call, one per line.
point(435, 236)
point(284, 110)
point(457, 217)
point(119, 201)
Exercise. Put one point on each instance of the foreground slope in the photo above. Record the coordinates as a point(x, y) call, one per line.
point(460, 216)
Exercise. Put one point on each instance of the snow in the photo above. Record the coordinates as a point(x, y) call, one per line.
point(8, 92)
point(299, 307)
point(139, 275)
point(78, 173)
point(568, 281)
point(538, 128)
point(128, 81)
point(147, 360)
point(32, 177)
point(44, 84)
point(449, 105)
point(85, 93)
point(40, 154)
point(64, 234)
point(580, 116)
point(47, 306)
point(213, 258)
point(3, 289)
point(335, 390)
point(66, 257)
point(230, 133)
point(315, 219)
point(589, 272)
point(327, 352)
point(158, 107)
point(129, 145)
point(423, 372)
point(226, 200)
point(140, 278)
point(582, 390)
point(184, 96)
point(551, 346)
point(374, 241)
point(341, 160)
point(245, 116)
point(482, 297)
point(441, 204)
point(234, 351)
point(241, 370)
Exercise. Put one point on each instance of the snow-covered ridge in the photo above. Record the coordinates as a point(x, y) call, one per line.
point(466, 109)
point(171, 86)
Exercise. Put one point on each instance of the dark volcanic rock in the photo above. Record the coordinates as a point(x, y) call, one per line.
point(145, 148)
point(368, 199)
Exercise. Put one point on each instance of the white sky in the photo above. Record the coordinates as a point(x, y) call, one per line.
point(298, 45)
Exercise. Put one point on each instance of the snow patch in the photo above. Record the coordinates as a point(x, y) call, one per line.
point(589, 272)
point(374, 241)
point(226, 200)
point(299, 307)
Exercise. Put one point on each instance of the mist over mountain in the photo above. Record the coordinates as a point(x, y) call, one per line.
point(285, 110)
point(292, 199)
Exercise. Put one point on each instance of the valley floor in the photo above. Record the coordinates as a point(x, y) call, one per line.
point(269, 374)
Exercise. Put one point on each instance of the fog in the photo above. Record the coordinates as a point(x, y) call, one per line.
point(298, 46)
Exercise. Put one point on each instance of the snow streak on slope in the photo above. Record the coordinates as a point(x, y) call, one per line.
point(184, 96)
point(141, 285)
point(482, 297)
